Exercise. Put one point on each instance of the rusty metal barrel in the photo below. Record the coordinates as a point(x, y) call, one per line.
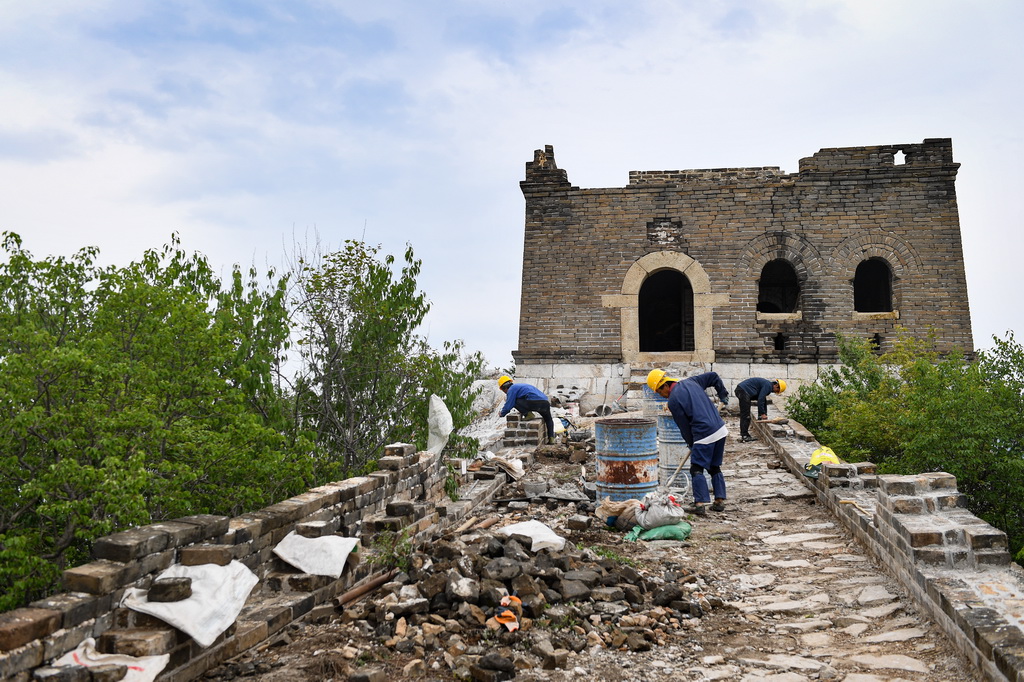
point(672, 451)
point(627, 457)
point(653, 404)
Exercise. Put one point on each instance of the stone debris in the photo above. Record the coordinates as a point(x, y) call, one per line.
point(772, 589)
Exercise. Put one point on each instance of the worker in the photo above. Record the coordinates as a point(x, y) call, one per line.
point(755, 388)
point(527, 399)
point(702, 428)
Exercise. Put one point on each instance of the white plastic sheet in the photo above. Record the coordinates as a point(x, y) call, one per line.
point(316, 556)
point(218, 595)
point(542, 536)
point(140, 668)
point(439, 423)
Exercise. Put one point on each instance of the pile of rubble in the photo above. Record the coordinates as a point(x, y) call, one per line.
point(448, 606)
point(772, 589)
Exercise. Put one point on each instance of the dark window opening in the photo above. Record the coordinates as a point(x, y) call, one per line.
point(778, 290)
point(666, 313)
point(780, 342)
point(876, 343)
point(872, 287)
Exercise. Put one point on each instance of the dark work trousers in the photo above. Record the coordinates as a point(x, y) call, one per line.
point(707, 456)
point(744, 403)
point(541, 407)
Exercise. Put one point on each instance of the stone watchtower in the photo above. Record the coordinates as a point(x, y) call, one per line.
point(747, 271)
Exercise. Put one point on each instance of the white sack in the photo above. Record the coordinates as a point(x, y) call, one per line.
point(659, 509)
point(439, 421)
point(218, 595)
point(140, 668)
point(542, 536)
point(316, 556)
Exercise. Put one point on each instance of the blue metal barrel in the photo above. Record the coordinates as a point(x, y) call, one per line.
point(627, 457)
point(672, 451)
point(654, 404)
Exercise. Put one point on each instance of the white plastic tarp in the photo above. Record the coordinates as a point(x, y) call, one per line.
point(140, 668)
point(218, 595)
point(542, 536)
point(316, 556)
point(439, 423)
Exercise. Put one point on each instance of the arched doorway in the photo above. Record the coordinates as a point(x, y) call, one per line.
point(665, 305)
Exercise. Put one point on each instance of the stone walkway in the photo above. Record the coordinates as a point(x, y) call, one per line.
point(778, 590)
point(791, 597)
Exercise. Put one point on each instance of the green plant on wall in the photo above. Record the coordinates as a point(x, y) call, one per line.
point(390, 549)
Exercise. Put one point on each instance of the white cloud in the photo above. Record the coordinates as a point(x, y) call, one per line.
point(412, 121)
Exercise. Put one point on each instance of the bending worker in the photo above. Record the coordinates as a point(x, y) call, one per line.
point(526, 399)
point(702, 428)
point(755, 388)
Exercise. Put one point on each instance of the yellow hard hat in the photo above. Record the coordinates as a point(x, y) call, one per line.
point(782, 385)
point(657, 377)
point(504, 379)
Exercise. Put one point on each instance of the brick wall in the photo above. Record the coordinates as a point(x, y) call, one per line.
point(842, 207)
point(406, 494)
point(954, 565)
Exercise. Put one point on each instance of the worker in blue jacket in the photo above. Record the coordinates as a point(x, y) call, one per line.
point(526, 399)
point(755, 388)
point(702, 428)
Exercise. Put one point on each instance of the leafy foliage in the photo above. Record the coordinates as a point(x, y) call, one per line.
point(911, 411)
point(391, 550)
point(367, 376)
point(130, 395)
point(141, 393)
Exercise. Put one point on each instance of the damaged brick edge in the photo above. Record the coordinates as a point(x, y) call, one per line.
point(407, 495)
point(919, 531)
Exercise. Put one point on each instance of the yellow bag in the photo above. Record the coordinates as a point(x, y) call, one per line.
point(823, 454)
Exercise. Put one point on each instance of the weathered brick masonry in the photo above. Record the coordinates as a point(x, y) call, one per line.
point(955, 566)
point(406, 494)
point(589, 252)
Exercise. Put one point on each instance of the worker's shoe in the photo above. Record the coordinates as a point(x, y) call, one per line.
point(529, 415)
point(551, 441)
point(698, 510)
point(747, 439)
point(718, 506)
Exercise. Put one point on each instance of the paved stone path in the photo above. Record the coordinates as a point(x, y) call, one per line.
point(791, 597)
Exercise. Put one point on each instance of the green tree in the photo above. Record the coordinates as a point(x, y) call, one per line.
point(911, 411)
point(366, 375)
point(130, 395)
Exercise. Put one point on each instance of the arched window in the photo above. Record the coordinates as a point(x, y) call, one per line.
point(665, 308)
point(872, 287)
point(778, 290)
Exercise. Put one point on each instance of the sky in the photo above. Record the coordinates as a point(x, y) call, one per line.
point(249, 127)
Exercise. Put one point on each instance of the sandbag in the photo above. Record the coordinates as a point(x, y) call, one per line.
point(659, 509)
point(676, 531)
point(618, 513)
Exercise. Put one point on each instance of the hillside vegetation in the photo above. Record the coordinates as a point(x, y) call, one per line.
point(911, 411)
point(142, 393)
